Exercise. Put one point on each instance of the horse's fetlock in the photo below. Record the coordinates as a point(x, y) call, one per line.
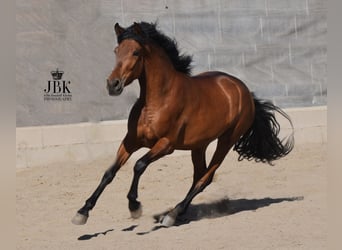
point(133, 205)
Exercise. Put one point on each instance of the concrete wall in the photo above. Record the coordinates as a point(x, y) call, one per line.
point(87, 142)
point(278, 47)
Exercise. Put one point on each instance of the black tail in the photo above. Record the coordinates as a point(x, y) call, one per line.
point(261, 141)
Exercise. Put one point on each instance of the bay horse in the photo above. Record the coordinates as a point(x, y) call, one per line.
point(178, 111)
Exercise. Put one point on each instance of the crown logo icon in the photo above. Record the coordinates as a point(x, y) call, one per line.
point(57, 75)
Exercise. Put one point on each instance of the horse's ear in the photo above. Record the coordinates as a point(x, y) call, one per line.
point(138, 30)
point(118, 29)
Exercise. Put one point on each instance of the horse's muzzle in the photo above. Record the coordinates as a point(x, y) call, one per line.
point(115, 86)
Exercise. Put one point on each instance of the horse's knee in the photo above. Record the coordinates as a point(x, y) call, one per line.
point(108, 176)
point(139, 167)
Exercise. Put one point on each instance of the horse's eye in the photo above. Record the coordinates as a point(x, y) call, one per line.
point(136, 53)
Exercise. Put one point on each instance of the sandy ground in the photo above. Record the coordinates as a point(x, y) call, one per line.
point(248, 206)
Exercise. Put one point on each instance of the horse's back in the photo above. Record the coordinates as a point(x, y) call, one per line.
point(212, 76)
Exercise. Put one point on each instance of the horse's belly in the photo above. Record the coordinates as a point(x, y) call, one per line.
point(200, 135)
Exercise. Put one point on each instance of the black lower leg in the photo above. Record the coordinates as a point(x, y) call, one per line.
point(132, 195)
point(184, 204)
point(106, 179)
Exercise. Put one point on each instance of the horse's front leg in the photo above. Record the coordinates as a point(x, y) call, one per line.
point(160, 149)
point(124, 152)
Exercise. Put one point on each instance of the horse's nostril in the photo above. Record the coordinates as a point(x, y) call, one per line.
point(113, 83)
point(116, 82)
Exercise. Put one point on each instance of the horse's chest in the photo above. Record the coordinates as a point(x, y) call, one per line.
point(149, 126)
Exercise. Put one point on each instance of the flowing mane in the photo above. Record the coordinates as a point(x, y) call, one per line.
point(181, 62)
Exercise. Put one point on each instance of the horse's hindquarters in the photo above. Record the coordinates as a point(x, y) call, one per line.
point(214, 104)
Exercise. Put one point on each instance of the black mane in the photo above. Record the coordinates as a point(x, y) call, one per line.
point(181, 62)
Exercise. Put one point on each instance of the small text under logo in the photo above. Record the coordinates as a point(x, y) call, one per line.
point(57, 89)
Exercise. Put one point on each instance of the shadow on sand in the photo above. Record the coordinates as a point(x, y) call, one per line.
point(217, 209)
point(221, 208)
point(227, 207)
point(90, 236)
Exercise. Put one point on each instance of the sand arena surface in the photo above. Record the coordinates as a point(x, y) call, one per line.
point(248, 206)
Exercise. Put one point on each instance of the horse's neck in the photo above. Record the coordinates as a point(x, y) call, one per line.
point(157, 79)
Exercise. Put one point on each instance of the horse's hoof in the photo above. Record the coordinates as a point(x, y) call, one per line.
point(79, 219)
point(136, 213)
point(168, 221)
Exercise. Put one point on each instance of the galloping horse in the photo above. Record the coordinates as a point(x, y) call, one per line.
point(176, 110)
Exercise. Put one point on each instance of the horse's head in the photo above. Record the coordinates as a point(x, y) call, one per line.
point(129, 59)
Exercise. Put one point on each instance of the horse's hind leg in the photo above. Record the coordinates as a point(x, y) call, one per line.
point(200, 166)
point(224, 144)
